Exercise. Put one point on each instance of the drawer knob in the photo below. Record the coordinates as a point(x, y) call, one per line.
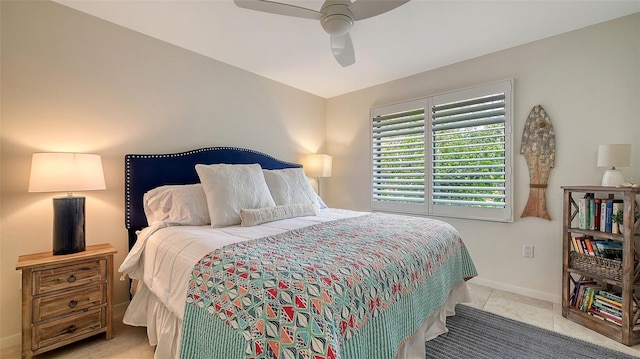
point(73, 303)
point(72, 329)
point(72, 278)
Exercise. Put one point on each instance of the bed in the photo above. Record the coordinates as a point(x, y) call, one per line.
point(233, 255)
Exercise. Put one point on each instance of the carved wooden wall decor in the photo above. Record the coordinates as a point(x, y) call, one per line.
point(539, 149)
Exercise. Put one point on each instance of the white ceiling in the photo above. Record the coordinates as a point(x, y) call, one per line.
point(418, 36)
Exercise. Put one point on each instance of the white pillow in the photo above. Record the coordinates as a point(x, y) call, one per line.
point(252, 217)
point(181, 204)
point(290, 186)
point(321, 203)
point(229, 188)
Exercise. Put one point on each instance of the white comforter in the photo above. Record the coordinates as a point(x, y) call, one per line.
point(164, 261)
point(164, 256)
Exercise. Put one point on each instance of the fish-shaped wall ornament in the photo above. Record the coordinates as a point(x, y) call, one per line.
point(539, 149)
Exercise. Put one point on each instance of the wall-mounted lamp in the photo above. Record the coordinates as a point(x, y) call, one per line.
point(613, 156)
point(67, 172)
point(318, 165)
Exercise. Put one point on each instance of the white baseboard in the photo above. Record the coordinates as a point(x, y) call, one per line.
point(553, 298)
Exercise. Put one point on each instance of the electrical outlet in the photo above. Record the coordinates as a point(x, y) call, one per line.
point(527, 250)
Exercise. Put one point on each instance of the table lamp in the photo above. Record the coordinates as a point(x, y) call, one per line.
point(617, 155)
point(318, 165)
point(67, 172)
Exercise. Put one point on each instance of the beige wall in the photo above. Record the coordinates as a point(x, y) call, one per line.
point(589, 83)
point(72, 82)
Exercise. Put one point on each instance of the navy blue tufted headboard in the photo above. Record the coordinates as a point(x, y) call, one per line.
point(144, 172)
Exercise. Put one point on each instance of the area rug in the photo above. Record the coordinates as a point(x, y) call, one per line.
point(477, 334)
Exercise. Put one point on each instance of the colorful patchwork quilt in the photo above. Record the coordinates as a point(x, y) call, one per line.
point(349, 288)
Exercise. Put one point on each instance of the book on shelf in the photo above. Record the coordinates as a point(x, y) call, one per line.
point(606, 316)
point(583, 244)
point(590, 250)
point(575, 245)
point(583, 213)
point(588, 296)
point(597, 214)
point(606, 306)
point(608, 249)
point(608, 211)
point(603, 215)
point(615, 298)
point(592, 211)
point(614, 320)
point(579, 290)
point(582, 205)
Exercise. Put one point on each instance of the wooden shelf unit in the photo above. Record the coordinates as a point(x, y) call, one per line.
point(629, 285)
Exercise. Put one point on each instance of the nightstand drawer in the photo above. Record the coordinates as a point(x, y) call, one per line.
point(68, 302)
point(68, 328)
point(69, 276)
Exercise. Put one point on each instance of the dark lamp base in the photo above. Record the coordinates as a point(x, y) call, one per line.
point(68, 225)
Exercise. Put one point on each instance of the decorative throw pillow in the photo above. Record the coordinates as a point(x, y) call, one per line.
point(181, 204)
point(229, 188)
point(252, 217)
point(290, 186)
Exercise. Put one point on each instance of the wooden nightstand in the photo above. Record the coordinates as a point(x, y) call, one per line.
point(66, 298)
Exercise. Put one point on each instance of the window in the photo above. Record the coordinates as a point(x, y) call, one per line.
point(445, 155)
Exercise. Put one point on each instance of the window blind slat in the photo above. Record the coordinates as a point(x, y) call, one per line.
point(470, 102)
point(394, 133)
point(398, 125)
point(408, 113)
point(476, 203)
point(472, 122)
point(468, 160)
point(466, 174)
point(399, 169)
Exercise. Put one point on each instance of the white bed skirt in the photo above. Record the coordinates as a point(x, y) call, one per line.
point(164, 328)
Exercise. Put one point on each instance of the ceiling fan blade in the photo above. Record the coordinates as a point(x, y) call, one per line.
point(342, 49)
point(279, 8)
point(362, 9)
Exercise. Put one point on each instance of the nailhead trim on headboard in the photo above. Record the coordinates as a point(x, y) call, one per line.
point(128, 169)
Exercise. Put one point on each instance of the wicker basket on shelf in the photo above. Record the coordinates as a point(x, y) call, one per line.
point(604, 267)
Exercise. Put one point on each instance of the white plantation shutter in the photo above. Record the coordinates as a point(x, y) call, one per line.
point(452, 159)
point(398, 144)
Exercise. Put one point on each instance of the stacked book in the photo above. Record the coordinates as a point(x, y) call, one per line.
point(608, 306)
point(591, 297)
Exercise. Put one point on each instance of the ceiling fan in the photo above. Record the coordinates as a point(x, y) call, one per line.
point(336, 18)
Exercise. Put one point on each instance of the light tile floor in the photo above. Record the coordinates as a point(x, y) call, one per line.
point(131, 342)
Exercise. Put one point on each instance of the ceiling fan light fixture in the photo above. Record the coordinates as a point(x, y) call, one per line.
point(336, 17)
point(337, 24)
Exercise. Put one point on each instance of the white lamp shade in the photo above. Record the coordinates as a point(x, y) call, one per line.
point(66, 172)
point(616, 155)
point(318, 165)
